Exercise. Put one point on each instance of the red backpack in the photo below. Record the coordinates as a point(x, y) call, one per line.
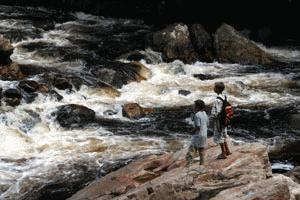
point(227, 113)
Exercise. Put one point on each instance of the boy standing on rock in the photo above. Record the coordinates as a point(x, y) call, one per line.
point(220, 131)
point(199, 139)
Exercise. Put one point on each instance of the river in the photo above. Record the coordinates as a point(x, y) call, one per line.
point(35, 152)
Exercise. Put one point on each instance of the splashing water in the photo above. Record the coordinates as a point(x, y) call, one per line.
point(35, 151)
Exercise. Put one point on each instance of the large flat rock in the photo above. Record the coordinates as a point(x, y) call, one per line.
point(168, 177)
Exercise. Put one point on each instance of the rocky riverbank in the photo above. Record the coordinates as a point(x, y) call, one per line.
point(246, 174)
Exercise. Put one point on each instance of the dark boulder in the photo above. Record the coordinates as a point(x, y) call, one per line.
point(29, 70)
point(134, 111)
point(118, 74)
point(205, 76)
point(62, 84)
point(285, 149)
point(203, 42)
point(12, 93)
point(6, 49)
point(61, 81)
point(74, 115)
point(233, 47)
point(184, 92)
point(12, 101)
point(174, 42)
point(12, 97)
point(29, 86)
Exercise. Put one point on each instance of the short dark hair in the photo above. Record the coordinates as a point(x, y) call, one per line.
point(220, 86)
point(200, 104)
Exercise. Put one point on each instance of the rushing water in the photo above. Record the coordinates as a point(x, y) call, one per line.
point(35, 152)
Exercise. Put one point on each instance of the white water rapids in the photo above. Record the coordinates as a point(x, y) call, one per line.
point(35, 150)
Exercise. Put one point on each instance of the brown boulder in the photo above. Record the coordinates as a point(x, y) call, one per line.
point(174, 42)
point(134, 110)
point(11, 72)
point(168, 177)
point(202, 42)
point(6, 49)
point(233, 47)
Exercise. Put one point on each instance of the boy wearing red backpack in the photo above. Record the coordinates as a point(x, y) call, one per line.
point(221, 114)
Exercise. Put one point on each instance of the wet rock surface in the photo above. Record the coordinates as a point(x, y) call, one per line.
point(12, 97)
point(29, 86)
point(74, 115)
point(203, 42)
point(134, 111)
point(232, 47)
point(174, 42)
point(118, 74)
point(241, 175)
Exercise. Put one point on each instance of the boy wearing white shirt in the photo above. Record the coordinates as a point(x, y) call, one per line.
point(199, 139)
point(220, 131)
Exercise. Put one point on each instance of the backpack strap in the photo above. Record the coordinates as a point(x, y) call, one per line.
point(223, 100)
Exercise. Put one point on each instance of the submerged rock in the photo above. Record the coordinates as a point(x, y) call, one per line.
point(167, 176)
point(62, 84)
point(174, 42)
point(54, 95)
point(205, 76)
point(134, 110)
point(6, 49)
point(203, 42)
point(184, 92)
point(233, 47)
point(74, 115)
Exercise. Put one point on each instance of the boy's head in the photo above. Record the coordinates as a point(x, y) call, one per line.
point(199, 105)
point(219, 87)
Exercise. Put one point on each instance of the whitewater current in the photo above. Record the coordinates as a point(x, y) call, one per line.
point(36, 152)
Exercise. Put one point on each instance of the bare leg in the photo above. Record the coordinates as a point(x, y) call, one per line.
point(223, 154)
point(227, 149)
point(202, 156)
point(189, 156)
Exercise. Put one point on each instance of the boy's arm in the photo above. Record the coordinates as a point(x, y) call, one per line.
point(216, 109)
point(197, 123)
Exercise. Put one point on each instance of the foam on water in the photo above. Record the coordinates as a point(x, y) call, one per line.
point(247, 88)
point(35, 150)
